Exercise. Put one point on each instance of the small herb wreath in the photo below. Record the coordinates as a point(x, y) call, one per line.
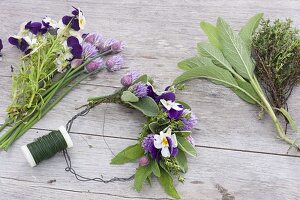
point(165, 138)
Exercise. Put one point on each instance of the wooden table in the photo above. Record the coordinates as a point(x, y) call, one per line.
point(239, 155)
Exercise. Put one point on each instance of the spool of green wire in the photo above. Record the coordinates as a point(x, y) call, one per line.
point(47, 146)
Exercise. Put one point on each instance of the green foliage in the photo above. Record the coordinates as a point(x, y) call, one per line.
point(155, 168)
point(142, 173)
point(146, 105)
point(185, 146)
point(276, 47)
point(182, 161)
point(128, 96)
point(166, 181)
point(132, 152)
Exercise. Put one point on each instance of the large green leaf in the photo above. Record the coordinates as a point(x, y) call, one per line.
point(147, 106)
point(193, 62)
point(140, 176)
point(182, 161)
point(185, 146)
point(235, 50)
point(249, 28)
point(208, 50)
point(128, 96)
point(221, 76)
point(166, 181)
point(132, 152)
point(290, 119)
point(211, 32)
point(155, 168)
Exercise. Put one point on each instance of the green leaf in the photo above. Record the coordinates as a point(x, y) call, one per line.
point(249, 28)
point(155, 168)
point(249, 88)
point(208, 50)
point(154, 127)
point(140, 176)
point(235, 50)
point(185, 146)
point(144, 79)
point(147, 106)
point(185, 105)
point(193, 62)
point(128, 96)
point(132, 152)
point(166, 181)
point(182, 133)
point(211, 32)
point(290, 119)
point(182, 161)
point(163, 121)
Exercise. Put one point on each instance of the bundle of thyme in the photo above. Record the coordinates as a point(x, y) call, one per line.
point(276, 50)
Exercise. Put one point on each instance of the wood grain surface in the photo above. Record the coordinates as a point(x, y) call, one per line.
point(239, 156)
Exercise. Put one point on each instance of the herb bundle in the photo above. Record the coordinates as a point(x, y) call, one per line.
point(56, 58)
point(226, 60)
point(276, 50)
point(165, 138)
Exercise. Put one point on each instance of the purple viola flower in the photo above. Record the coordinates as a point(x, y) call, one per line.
point(94, 65)
point(20, 43)
point(76, 48)
point(188, 119)
point(114, 63)
point(151, 93)
point(148, 146)
point(173, 109)
point(129, 78)
point(66, 19)
point(35, 27)
point(94, 38)
point(140, 90)
point(144, 161)
point(166, 142)
point(72, 40)
point(168, 96)
point(191, 140)
point(89, 50)
point(1, 45)
point(117, 46)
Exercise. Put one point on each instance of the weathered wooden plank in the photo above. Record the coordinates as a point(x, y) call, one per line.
point(243, 175)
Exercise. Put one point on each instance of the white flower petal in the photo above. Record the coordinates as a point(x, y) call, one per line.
point(175, 106)
point(157, 142)
point(169, 132)
point(166, 104)
point(174, 140)
point(165, 152)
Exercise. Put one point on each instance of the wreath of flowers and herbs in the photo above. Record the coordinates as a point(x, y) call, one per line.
point(165, 138)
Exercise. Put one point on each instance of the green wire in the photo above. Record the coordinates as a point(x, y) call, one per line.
point(47, 146)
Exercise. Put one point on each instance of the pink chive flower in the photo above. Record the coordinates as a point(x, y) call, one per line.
point(129, 78)
point(106, 45)
point(144, 161)
point(117, 46)
point(114, 63)
point(94, 65)
point(94, 38)
point(76, 62)
point(89, 50)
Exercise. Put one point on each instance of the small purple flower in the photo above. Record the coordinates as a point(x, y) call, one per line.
point(89, 50)
point(173, 109)
point(76, 48)
point(191, 140)
point(114, 63)
point(188, 119)
point(20, 43)
point(35, 27)
point(140, 90)
point(148, 146)
point(94, 38)
point(117, 46)
point(106, 45)
point(129, 78)
point(94, 65)
point(144, 161)
point(1, 45)
point(76, 63)
point(151, 93)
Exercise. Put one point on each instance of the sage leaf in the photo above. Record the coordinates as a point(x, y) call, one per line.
point(185, 105)
point(154, 127)
point(182, 133)
point(155, 168)
point(249, 28)
point(144, 79)
point(290, 119)
point(147, 106)
point(234, 50)
point(211, 32)
point(185, 146)
point(182, 161)
point(132, 152)
point(166, 181)
point(128, 96)
point(140, 176)
point(250, 90)
point(193, 62)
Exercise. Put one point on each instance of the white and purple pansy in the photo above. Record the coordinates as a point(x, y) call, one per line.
point(76, 48)
point(20, 43)
point(167, 142)
point(36, 27)
point(77, 21)
point(173, 109)
point(49, 22)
